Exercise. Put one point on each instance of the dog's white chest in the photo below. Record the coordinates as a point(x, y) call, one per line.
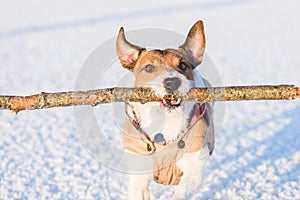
point(155, 119)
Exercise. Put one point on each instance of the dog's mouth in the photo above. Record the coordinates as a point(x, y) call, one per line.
point(170, 101)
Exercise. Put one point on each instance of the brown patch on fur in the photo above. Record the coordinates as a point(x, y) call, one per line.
point(161, 60)
point(166, 171)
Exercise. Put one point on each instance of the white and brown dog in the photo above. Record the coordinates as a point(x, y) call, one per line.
point(177, 134)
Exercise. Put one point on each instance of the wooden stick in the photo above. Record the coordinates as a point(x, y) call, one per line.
point(143, 95)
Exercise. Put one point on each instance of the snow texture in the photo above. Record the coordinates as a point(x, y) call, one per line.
point(43, 45)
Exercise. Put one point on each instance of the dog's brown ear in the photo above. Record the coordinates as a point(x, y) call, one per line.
point(127, 53)
point(194, 45)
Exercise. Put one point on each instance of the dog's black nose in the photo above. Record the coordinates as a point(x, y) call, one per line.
point(172, 84)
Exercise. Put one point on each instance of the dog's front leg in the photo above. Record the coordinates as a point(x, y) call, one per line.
point(138, 187)
point(192, 165)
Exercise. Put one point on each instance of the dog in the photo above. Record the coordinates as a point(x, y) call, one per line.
point(178, 135)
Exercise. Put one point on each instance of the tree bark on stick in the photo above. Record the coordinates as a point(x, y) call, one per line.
point(143, 95)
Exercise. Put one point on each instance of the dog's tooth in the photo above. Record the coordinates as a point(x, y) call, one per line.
point(164, 101)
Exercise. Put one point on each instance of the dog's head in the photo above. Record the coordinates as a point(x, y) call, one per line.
point(168, 71)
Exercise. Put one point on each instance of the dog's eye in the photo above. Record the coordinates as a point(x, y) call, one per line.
point(183, 66)
point(149, 68)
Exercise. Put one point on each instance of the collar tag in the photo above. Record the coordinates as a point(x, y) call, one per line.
point(159, 139)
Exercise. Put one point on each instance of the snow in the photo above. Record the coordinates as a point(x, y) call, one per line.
point(43, 46)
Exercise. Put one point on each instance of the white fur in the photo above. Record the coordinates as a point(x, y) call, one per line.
point(170, 123)
point(192, 165)
point(138, 186)
point(155, 119)
point(157, 83)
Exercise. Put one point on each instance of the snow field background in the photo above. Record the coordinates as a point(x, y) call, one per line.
point(44, 44)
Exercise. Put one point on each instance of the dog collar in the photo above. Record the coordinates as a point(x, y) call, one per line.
point(197, 113)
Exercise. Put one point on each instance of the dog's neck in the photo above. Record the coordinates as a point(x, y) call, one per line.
point(155, 119)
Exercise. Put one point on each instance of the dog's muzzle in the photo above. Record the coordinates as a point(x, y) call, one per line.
point(171, 85)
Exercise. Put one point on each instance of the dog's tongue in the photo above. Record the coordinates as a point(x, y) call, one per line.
point(168, 101)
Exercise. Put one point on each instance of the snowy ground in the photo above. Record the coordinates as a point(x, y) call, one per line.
point(43, 46)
